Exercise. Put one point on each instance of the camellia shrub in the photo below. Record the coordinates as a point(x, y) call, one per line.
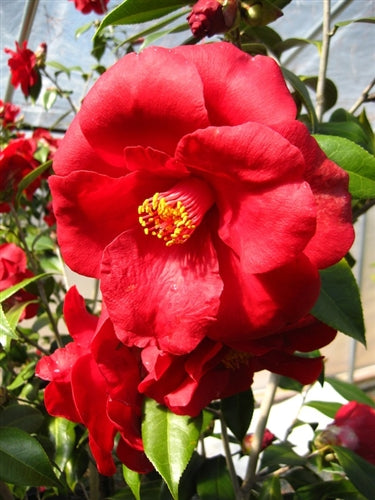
point(213, 207)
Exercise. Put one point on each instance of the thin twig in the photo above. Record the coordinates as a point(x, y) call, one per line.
point(60, 90)
point(363, 97)
point(228, 457)
point(320, 86)
point(256, 442)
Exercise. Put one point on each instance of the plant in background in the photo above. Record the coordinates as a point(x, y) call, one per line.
point(213, 205)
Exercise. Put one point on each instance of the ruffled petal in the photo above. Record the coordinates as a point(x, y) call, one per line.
point(267, 210)
point(155, 293)
point(81, 324)
point(136, 109)
point(329, 183)
point(239, 88)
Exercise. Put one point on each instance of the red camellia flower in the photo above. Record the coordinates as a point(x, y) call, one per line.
point(186, 184)
point(22, 64)
point(209, 17)
point(87, 6)
point(79, 390)
point(267, 440)
point(13, 270)
point(354, 428)
point(8, 113)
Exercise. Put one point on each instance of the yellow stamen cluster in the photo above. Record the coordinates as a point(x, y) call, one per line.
point(166, 219)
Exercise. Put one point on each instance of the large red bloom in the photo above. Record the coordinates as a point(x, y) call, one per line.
point(186, 184)
point(79, 391)
point(13, 270)
point(87, 6)
point(22, 64)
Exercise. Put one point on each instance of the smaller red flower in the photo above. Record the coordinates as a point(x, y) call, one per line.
point(81, 390)
point(354, 428)
point(23, 66)
point(13, 270)
point(87, 6)
point(209, 17)
point(267, 440)
point(8, 113)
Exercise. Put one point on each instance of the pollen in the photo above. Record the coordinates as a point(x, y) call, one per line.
point(172, 216)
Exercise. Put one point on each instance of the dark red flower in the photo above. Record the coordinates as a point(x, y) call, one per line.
point(8, 113)
point(209, 17)
point(204, 217)
point(79, 390)
point(22, 64)
point(13, 270)
point(87, 6)
point(354, 428)
point(268, 438)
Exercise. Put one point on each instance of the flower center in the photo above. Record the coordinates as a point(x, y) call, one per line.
point(235, 359)
point(173, 216)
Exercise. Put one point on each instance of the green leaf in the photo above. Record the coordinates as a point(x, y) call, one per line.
point(139, 11)
point(30, 177)
point(271, 489)
point(328, 408)
point(133, 480)
point(83, 29)
point(291, 43)
point(350, 391)
point(5, 294)
point(23, 417)
point(63, 436)
point(23, 376)
point(339, 303)
point(23, 461)
point(281, 454)
point(360, 472)
point(237, 412)
point(169, 441)
point(49, 98)
point(370, 20)
point(6, 329)
point(303, 94)
point(213, 481)
point(330, 90)
point(326, 490)
point(358, 162)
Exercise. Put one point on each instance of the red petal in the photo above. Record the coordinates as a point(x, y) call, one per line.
point(81, 324)
point(148, 99)
point(329, 183)
point(267, 210)
point(239, 88)
point(161, 294)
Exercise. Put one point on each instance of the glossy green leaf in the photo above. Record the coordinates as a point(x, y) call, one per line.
point(32, 176)
point(6, 329)
point(237, 412)
point(340, 24)
point(291, 43)
point(339, 303)
point(169, 441)
point(83, 29)
point(271, 489)
point(303, 94)
point(49, 98)
point(328, 408)
point(139, 11)
point(281, 454)
point(350, 391)
point(133, 480)
point(63, 437)
point(326, 490)
point(22, 416)
point(358, 162)
point(360, 472)
point(23, 461)
point(5, 294)
point(213, 481)
point(23, 376)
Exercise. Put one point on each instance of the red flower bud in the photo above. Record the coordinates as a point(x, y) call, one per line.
point(267, 440)
point(209, 17)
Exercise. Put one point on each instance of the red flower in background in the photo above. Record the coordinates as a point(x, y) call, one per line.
point(209, 17)
point(13, 270)
point(354, 428)
point(23, 67)
point(8, 114)
point(203, 217)
point(267, 440)
point(79, 391)
point(87, 6)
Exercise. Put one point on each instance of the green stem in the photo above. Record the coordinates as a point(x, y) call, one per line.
point(256, 443)
point(320, 86)
point(60, 90)
point(228, 457)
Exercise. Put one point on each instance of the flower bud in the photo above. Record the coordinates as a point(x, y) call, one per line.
point(259, 12)
point(267, 440)
point(41, 55)
point(209, 17)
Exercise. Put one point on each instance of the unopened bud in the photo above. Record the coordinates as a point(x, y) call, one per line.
point(267, 440)
point(41, 55)
point(209, 17)
point(260, 12)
